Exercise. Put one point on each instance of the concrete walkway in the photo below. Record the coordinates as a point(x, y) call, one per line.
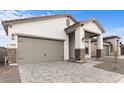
point(67, 72)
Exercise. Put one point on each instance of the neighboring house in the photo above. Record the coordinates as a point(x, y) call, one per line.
point(3, 53)
point(122, 49)
point(110, 45)
point(52, 38)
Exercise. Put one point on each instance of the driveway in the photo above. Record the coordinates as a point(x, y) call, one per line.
point(67, 72)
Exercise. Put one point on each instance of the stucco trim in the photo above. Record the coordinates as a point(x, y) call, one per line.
point(72, 26)
point(106, 38)
point(85, 22)
point(89, 31)
point(6, 23)
point(40, 37)
point(40, 18)
point(111, 37)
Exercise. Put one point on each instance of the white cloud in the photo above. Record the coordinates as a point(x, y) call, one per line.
point(7, 15)
point(49, 13)
point(13, 14)
point(3, 39)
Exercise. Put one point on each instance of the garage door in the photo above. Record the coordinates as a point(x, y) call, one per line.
point(32, 50)
point(106, 50)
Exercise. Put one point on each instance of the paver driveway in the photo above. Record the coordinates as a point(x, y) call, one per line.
point(65, 72)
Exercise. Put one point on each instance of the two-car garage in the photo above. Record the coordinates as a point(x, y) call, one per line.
point(31, 50)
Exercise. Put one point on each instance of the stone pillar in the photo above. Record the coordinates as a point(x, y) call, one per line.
point(118, 47)
point(99, 46)
point(90, 47)
point(79, 45)
point(11, 56)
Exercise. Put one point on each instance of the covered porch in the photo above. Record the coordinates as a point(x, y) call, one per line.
point(80, 35)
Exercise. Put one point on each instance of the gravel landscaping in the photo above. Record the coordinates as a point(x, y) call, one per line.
point(9, 74)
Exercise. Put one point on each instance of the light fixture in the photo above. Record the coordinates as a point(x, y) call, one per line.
point(13, 36)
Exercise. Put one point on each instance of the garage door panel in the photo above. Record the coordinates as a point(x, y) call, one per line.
point(39, 50)
point(106, 50)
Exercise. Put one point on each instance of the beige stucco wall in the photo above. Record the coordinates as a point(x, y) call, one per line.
point(80, 32)
point(92, 27)
point(114, 43)
point(51, 28)
point(94, 48)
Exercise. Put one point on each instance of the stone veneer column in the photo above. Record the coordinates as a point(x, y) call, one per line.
point(79, 55)
point(11, 56)
point(99, 53)
point(79, 45)
point(99, 46)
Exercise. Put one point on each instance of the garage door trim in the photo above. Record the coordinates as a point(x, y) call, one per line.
point(20, 56)
point(39, 37)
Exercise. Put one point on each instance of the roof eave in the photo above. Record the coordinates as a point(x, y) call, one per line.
point(99, 25)
point(39, 18)
point(70, 16)
point(5, 27)
point(111, 37)
point(94, 20)
point(72, 26)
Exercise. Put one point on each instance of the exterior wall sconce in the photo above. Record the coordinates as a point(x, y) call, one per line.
point(83, 39)
point(13, 36)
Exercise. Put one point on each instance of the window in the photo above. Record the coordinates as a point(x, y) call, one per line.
point(86, 48)
point(67, 22)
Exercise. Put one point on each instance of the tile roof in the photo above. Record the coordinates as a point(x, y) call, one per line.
point(111, 37)
point(40, 18)
point(5, 23)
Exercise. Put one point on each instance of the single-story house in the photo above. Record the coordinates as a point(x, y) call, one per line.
point(52, 38)
point(111, 44)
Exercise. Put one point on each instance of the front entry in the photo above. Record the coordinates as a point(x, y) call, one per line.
point(72, 46)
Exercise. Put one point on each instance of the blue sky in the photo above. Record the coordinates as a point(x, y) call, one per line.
point(112, 21)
